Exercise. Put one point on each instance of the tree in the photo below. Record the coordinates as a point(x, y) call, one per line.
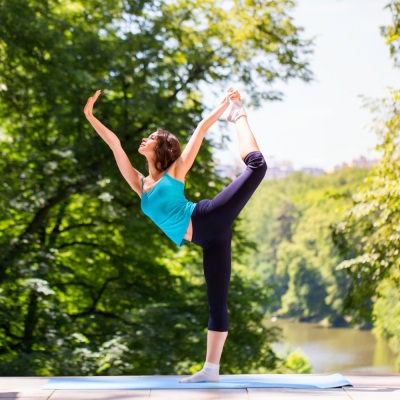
point(392, 32)
point(369, 235)
point(81, 290)
point(292, 220)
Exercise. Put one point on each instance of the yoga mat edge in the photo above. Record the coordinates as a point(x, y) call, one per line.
point(300, 381)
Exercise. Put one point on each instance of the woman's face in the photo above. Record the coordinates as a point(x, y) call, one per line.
point(148, 144)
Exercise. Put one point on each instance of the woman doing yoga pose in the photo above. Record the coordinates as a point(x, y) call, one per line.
point(207, 223)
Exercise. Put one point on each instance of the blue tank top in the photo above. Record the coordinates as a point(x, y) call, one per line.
point(166, 205)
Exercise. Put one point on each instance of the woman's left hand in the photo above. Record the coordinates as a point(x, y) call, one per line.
point(88, 110)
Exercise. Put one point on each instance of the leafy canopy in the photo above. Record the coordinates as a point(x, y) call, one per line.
point(85, 287)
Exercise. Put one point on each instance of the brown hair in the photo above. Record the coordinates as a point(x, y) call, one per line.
point(167, 149)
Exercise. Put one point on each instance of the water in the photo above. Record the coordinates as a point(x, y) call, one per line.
point(336, 349)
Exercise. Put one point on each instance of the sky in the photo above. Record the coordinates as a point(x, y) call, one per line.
point(323, 123)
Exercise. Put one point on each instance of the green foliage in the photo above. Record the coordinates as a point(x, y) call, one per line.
point(82, 290)
point(392, 32)
point(369, 235)
point(295, 362)
point(387, 315)
point(292, 221)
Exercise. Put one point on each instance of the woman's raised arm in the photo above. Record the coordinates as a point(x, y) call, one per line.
point(186, 160)
point(131, 175)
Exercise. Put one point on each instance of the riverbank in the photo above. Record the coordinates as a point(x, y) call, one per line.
point(328, 349)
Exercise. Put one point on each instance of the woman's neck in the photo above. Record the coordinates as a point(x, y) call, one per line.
point(154, 173)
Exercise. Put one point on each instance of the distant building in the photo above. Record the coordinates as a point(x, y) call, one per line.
point(313, 171)
point(279, 169)
point(361, 162)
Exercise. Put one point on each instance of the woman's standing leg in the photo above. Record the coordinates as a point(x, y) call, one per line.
point(215, 345)
point(217, 272)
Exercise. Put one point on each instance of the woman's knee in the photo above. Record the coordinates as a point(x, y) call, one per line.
point(255, 160)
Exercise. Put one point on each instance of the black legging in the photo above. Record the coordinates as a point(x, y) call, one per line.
point(212, 230)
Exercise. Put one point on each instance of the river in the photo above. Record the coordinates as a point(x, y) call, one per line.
point(336, 349)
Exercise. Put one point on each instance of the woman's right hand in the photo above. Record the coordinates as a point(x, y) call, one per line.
point(88, 110)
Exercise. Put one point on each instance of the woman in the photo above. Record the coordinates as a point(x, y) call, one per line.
point(207, 223)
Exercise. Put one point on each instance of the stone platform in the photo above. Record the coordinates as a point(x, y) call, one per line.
point(365, 387)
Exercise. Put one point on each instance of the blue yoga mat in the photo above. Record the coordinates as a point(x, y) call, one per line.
point(172, 382)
